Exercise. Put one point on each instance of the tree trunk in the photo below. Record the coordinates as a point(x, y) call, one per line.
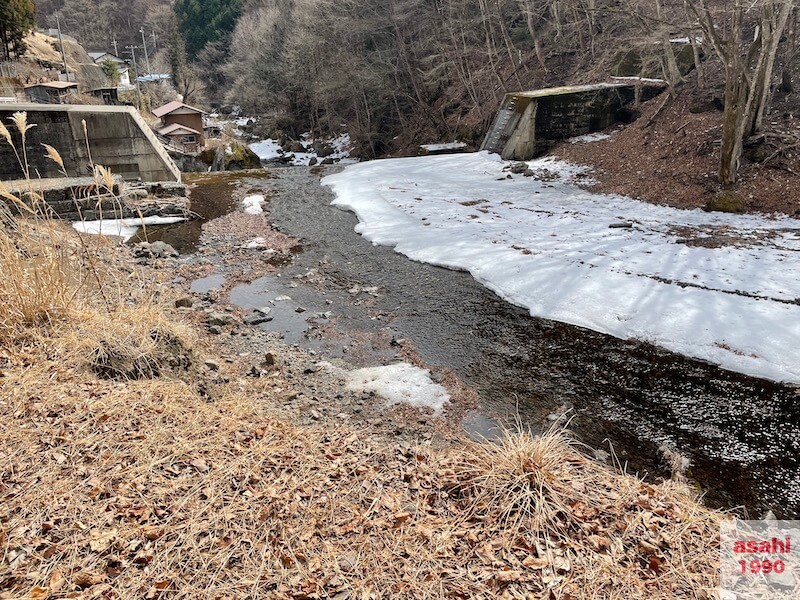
point(748, 72)
point(733, 124)
point(530, 20)
point(670, 64)
point(776, 20)
point(5, 43)
point(698, 63)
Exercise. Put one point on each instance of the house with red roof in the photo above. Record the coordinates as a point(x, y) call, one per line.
point(182, 125)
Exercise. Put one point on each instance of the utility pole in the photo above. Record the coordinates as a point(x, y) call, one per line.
point(61, 43)
point(132, 50)
point(155, 46)
point(116, 50)
point(146, 57)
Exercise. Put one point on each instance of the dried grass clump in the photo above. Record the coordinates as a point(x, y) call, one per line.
point(43, 274)
point(48, 272)
point(589, 530)
point(521, 481)
point(136, 342)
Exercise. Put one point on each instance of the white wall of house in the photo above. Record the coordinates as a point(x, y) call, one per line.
point(125, 78)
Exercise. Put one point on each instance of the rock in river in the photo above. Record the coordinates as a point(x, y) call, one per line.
point(157, 249)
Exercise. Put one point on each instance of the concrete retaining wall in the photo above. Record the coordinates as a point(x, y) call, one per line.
point(528, 124)
point(118, 138)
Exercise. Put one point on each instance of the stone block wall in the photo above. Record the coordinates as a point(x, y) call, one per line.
point(528, 124)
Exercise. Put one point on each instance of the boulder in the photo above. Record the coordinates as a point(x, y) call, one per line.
point(219, 319)
point(323, 149)
point(235, 157)
point(257, 318)
point(137, 193)
point(157, 249)
point(295, 147)
point(725, 201)
point(518, 167)
point(184, 302)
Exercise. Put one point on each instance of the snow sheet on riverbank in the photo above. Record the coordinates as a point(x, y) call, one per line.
point(124, 228)
point(724, 288)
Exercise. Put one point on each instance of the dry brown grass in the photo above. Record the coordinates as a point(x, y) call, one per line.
point(48, 272)
point(136, 342)
point(38, 283)
point(143, 489)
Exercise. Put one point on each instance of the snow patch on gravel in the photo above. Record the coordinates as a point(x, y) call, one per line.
point(252, 204)
point(400, 383)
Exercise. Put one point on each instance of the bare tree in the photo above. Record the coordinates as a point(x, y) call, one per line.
point(749, 66)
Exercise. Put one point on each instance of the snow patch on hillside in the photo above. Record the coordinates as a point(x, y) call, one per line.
point(589, 138)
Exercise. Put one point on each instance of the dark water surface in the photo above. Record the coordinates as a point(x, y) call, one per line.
point(741, 434)
point(212, 197)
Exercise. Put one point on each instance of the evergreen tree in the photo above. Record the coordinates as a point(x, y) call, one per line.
point(16, 20)
point(204, 21)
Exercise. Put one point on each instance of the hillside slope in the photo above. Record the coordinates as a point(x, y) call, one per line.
point(43, 62)
point(670, 155)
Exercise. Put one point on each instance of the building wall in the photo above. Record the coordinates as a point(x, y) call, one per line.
point(526, 127)
point(192, 120)
point(118, 137)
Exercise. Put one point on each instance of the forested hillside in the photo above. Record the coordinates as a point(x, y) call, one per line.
point(397, 72)
point(97, 23)
point(411, 67)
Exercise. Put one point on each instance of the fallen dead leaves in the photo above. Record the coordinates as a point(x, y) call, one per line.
point(163, 494)
point(674, 160)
